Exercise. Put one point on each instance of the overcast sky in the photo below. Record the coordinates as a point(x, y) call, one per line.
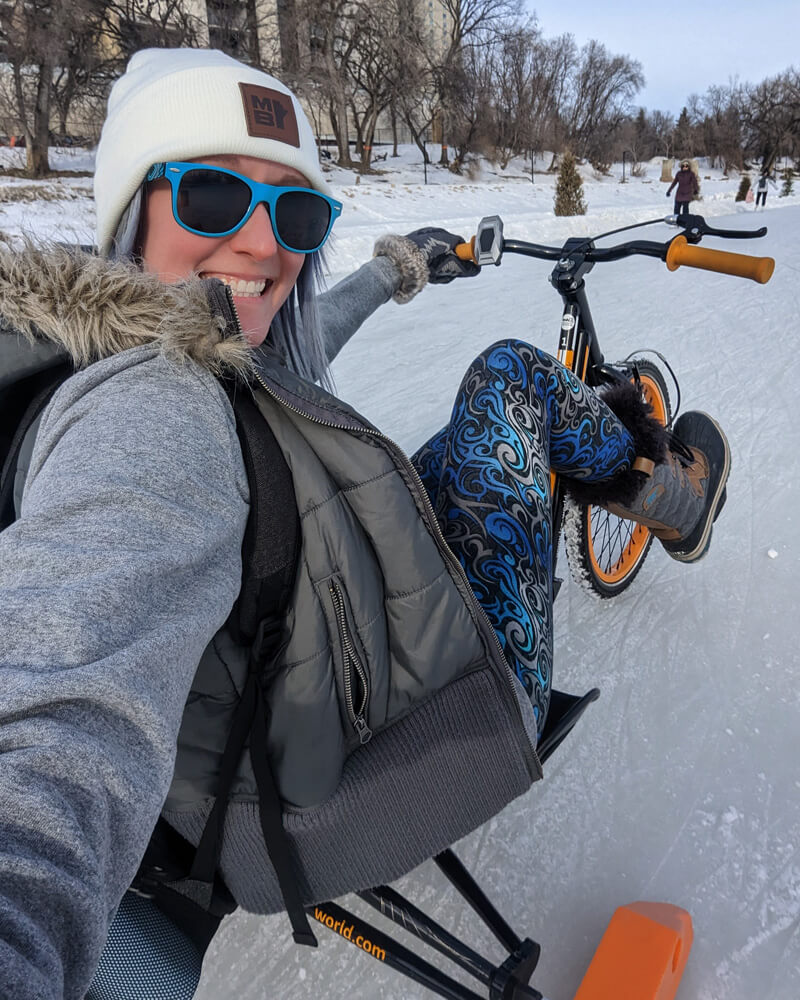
point(684, 46)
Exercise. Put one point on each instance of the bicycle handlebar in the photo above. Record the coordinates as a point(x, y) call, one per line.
point(472, 252)
point(488, 246)
point(680, 253)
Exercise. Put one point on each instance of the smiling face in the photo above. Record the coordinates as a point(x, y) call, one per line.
point(259, 271)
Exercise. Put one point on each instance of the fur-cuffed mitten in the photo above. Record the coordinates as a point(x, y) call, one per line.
point(650, 441)
point(422, 256)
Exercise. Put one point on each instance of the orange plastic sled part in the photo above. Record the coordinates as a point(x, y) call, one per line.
point(641, 956)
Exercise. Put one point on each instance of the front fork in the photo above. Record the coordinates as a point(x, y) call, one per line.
point(577, 351)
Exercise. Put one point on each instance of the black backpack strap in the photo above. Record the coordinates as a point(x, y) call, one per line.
point(272, 537)
point(269, 561)
point(22, 407)
point(251, 720)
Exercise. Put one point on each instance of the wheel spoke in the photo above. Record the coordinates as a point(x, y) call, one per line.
point(612, 538)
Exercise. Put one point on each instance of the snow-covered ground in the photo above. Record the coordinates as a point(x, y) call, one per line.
point(682, 782)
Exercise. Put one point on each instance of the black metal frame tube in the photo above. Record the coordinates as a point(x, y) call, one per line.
point(388, 951)
point(458, 875)
point(584, 333)
point(398, 909)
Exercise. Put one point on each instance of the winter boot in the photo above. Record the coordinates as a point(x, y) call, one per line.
point(679, 499)
point(676, 486)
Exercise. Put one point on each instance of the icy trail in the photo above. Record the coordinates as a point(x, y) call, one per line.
point(682, 782)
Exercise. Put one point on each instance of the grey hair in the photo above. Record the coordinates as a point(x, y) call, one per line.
point(296, 332)
point(295, 335)
point(123, 243)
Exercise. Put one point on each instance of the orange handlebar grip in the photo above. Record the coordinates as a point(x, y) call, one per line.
point(681, 253)
point(466, 251)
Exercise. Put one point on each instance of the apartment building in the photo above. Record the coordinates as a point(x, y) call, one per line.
point(275, 33)
point(272, 34)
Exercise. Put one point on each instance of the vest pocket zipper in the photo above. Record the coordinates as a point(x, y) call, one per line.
point(355, 676)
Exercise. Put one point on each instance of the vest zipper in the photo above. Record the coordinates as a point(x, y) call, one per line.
point(353, 667)
point(433, 524)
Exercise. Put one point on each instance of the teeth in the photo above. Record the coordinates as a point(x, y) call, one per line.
point(244, 289)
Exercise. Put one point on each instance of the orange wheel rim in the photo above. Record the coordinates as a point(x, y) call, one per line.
point(631, 542)
point(652, 395)
point(627, 540)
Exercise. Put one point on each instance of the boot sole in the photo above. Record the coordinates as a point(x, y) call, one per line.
point(699, 544)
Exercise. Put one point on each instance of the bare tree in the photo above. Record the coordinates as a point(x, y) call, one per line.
point(76, 74)
point(130, 25)
point(662, 125)
point(471, 23)
point(602, 88)
point(415, 96)
point(472, 123)
point(722, 132)
point(373, 70)
point(513, 64)
point(556, 59)
point(328, 29)
point(791, 143)
point(771, 116)
point(34, 37)
point(644, 136)
point(59, 50)
point(530, 78)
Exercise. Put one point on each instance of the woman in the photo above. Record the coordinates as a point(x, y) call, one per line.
point(119, 575)
point(688, 188)
point(762, 189)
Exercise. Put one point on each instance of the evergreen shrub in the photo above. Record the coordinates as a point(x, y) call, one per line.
point(569, 188)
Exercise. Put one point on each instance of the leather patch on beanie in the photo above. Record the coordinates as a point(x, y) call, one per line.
point(269, 114)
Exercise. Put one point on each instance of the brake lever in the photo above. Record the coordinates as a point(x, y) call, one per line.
point(696, 228)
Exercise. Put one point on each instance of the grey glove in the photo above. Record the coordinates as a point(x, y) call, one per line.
point(422, 256)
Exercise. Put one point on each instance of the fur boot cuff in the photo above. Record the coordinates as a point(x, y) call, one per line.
point(650, 441)
point(410, 261)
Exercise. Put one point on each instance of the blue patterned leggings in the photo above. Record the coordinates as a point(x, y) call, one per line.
point(518, 414)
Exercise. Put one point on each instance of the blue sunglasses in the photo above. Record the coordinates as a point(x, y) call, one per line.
point(213, 201)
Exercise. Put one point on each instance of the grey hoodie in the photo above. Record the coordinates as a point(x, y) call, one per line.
point(123, 564)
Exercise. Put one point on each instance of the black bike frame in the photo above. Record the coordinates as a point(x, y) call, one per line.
point(578, 347)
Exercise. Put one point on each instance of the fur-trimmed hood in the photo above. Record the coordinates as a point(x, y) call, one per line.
point(93, 308)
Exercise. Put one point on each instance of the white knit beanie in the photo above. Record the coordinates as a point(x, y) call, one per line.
point(181, 104)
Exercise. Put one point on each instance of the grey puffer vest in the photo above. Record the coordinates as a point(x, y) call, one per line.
point(396, 725)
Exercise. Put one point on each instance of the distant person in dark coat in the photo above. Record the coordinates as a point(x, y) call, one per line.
point(688, 188)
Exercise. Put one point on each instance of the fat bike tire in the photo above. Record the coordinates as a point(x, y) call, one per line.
point(605, 552)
